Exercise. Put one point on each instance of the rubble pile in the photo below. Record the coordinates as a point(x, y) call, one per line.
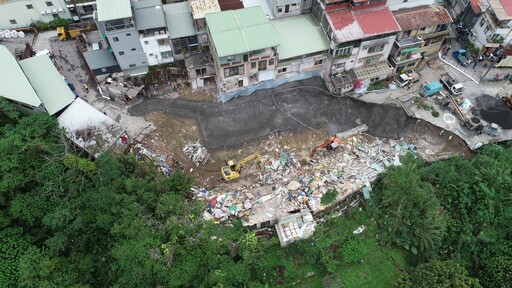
point(197, 153)
point(290, 181)
point(160, 162)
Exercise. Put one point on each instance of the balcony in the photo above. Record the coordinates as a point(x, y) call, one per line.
point(405, 59)
point(495, 38)
point(412, 41)
point(436, 34)
point(119, 24)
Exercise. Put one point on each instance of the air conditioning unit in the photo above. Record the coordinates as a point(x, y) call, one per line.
point(60, 10)
point(54, 11)
point(157, 33)
point(49, 12)
point(162, 32)
point(43, 12)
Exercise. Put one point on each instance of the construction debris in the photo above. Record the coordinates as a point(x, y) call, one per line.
point(197, 153)
point(290, 181)
point(160, 162)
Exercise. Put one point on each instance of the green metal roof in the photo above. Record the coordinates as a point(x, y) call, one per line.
point(148, 14)
point(13, 83)
point(299, 35)
point(113, 9)
point(240, 31)
point(48, 83)
point(179, 20)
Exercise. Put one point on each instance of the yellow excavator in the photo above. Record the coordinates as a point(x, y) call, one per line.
point(72, 30)
point(232, 170)
point(507, 100)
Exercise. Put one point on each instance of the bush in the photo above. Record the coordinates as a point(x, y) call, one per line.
point(435, 113)
point(329, 197)
point(377, 85)
point(59, 22)
point(41, 25)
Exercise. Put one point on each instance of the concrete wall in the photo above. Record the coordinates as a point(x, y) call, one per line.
point(23, 16)
point(156, 53)
point(125, 44)
point(400, 4)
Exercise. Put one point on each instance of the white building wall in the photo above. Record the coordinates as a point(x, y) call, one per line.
point(154, 51)
point(18, 11)
point(399, 4)
point(364, 53)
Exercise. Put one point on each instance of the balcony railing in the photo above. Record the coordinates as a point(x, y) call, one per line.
point(406, 59)
point(496, 39)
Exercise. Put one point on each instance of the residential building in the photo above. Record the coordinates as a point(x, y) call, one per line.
point(82, 9)
point(401, 4)
point(199, 9)
point(457, 8)
point(151, 25)
point(359, 45)
point(181, 29)
point(302, 46)
point(116, 23)
point(490, 22)
point(244, 47)
point(424, 29)
point(285, 8)
point(101, 63)
point(22, 13)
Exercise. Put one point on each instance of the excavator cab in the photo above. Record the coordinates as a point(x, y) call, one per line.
point(330, 144)
point(232, 170)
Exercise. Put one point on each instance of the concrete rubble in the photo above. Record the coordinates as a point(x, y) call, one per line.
point(197, 153)
point(288, 181)
point(160, 162)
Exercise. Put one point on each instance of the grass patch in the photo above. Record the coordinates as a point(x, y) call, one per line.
point(329, 197)
point(377, 86)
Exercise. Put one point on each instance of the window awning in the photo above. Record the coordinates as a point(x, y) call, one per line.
point(409, 50)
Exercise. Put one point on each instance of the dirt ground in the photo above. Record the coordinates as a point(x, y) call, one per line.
point(172, 134)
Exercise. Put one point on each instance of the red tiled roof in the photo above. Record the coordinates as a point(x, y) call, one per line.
point(230, 5)
point(422, 16)
point(507, 5)
point(344, 26)
point(376, 21)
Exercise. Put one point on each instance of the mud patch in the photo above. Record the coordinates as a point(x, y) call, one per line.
point(493, 110)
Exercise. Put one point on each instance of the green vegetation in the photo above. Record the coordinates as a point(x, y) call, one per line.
point(53, 24)
point(377, 85)
point(68, 221)
point(435, 113)
point(329, 197)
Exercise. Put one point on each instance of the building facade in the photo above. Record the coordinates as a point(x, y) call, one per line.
point(401, 4)
point(116, 24)
point(243, 46)
point(18, 14)
point(424, 29)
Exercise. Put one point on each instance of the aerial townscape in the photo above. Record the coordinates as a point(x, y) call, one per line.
point(256, 143)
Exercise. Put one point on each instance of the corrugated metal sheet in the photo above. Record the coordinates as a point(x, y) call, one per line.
point(376, 21)
point(149, 16)
point(200, 8)
point(506, 62)
point(345, 26)
point(226, 5)
point(299, 35)
point(98, 59)
point(179, 20)
point(422, 16)
point(13, 83)
point(48, 83)
point(240, 31)
point(502, 9)
point(113, 9)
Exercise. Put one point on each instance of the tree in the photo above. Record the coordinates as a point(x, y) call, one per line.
point(496, 272)
point(407, 211)
point(438, 274)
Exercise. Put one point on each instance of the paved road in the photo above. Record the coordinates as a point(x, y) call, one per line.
point(245, 118)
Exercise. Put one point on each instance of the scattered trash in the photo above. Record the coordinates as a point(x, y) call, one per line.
point(160, 162)
point(359, 230)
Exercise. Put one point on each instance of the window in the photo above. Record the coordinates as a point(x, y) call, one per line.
point(230, 58)
point(121, 53)
point(103, 69)
point(150, 54)
point(371, 61)
point(342, 52)
point(482, 22)
point(377, 48)
point(339, 65)
point(146, 42)
point(279, 9)
point(133, 49)
point(282, 70)
point(486, 29)
point(115, 39)
point(13, 21)
point(29, 6)
point(262, 65)
point(49, 4)
point(405, 1)
point(271, 62)
point(423, 28)
point(128, 34)
point(201, 72)
point(319, 62)
point(143, 62)
point(163, 42)
point(132, 65)
point(232, 71)
point(253, 65)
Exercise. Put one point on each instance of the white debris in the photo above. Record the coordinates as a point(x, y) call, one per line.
point(197, 153)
